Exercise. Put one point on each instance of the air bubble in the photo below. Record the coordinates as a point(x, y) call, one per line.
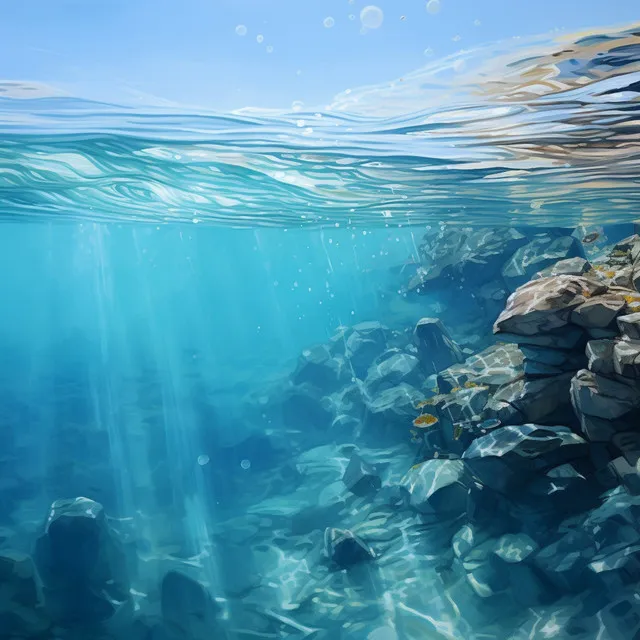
point(245, 464)
point(259, 38)
point(371, 17)
point(433, 6)
point(203, 459)
point(241, 30)
point(329, 22)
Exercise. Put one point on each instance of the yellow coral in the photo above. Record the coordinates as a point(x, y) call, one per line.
point(610, 274)
point(456, 389)
point(470, 385)
point(630, 299)
point(586, 293)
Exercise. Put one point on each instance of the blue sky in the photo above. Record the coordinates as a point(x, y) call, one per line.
point(188, 51)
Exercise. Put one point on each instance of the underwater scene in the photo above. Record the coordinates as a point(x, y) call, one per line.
point(363, 371)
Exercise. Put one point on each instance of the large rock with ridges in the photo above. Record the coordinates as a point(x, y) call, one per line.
point(545, 305)
point(510, 456)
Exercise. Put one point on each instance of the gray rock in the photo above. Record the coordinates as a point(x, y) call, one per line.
point(543, 251)
point(366, 342)
point(470, 255)
point(515, 547)
point(617, 569)
point(598, 429)
point(558, 358)
point(531, 400)
point(510, 456)
point(494, 366)
point(598, 312)
point(569, 267)
point(21, 613)
point(629, 326)
point(360, 477)
point(615, 522)
point(188, 610)
point(600, 356)
point(463, 405)
point(566, 338)
point(395, 406)
point(602, 397)
point(628, 443)
point(468, 538)
point(390, 371)
point(436, 348)
point(82, 564)
point(437, 487)
point(545, 305)
point(565, 562)
point(627, 474)
point(344, 549)
point(317, 366)
point(626, 359)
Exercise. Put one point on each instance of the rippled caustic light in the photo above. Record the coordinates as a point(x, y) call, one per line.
point(371, 17)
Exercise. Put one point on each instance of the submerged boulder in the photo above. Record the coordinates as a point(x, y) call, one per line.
point(543, 251)
point(394, 368)
point(494, 366)
point(344, 549)
point(464, 254)
point(597, 395)
point(437, 487)
point(599, 312)
point(81, 563)
point(510, 456)
point(436, 348)
point(365, 343)
point(21, 613)
point(318, 367)
point(538, 399)
point(569, 267)
point(188, 610)
point(360, 477)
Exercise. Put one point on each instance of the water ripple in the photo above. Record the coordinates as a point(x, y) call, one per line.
point(549, 135)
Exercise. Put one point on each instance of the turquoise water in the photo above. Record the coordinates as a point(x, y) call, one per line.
point(205, 315)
